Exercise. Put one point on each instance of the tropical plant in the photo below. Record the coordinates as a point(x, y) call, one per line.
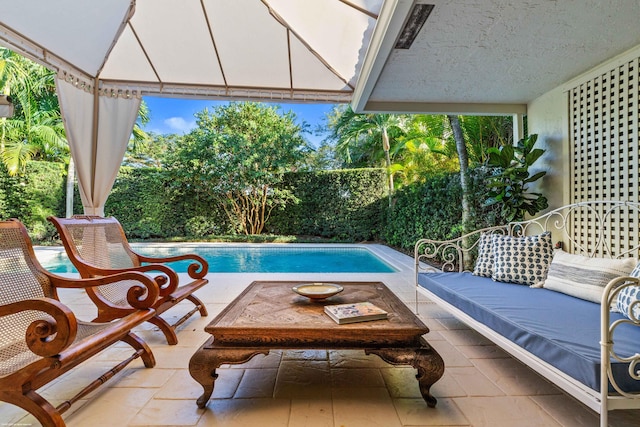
point(36, 130)
point(146, 149)
point(242, 151)
point(426, 148)
point(484, 132)
point(508, 186)
point(365, 134)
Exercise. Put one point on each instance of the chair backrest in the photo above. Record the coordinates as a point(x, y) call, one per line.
point(21, 278)
point(96, 240)
point(21, 275)
point(100, 242)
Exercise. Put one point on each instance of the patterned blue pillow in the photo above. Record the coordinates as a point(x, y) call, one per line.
point(484, 263)
point(522, 260)
point(628, 296)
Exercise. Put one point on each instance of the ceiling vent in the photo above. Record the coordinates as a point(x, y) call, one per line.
point(6, 107)
point(416, 20)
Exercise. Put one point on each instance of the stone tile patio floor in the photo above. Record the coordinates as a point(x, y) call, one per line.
point(482, 386)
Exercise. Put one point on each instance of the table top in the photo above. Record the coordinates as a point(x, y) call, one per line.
point(270, 312)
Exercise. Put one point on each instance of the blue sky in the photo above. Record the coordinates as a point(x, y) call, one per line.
point(174, 115)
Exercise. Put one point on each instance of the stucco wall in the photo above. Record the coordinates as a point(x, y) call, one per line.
point(547, 117)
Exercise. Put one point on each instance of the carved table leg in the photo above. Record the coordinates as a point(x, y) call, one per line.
point(425, 359)
point(206, 360)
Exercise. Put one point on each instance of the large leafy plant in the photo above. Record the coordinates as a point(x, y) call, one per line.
point(509, 184)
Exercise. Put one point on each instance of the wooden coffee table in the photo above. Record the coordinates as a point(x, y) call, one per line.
point(269, 315)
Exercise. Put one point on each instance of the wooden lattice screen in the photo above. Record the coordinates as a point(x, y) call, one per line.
point(604, 115)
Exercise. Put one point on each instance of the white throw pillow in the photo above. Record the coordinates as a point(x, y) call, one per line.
point(584, 277)
point(522, 260)
point(484, 262)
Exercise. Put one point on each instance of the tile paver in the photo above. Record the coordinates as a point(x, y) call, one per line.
point(482, 385)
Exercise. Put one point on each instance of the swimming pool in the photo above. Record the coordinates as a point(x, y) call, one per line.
point(258, 259)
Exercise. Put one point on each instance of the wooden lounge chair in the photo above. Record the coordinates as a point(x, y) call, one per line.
point(40, 337)
point(97, 246)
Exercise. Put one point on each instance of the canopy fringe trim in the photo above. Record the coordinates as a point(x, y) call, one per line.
point(108, 91)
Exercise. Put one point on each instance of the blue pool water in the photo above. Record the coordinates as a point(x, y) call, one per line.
point(265, 259)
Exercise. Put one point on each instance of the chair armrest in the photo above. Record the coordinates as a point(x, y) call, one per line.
point(196, 270)
point(51, 334)
point(141, 296)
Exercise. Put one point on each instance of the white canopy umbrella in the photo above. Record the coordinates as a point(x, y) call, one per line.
point(111, 52)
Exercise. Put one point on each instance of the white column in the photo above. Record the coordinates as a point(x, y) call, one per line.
point(518, 127)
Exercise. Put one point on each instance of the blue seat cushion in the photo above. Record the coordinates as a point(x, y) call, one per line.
point(562, 330)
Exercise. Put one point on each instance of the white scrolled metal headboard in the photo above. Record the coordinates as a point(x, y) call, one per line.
point(602, 228)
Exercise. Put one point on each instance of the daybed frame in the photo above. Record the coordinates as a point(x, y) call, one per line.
point(604, 217)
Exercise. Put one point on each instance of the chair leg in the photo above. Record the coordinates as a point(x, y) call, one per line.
point(37, 406)
point(167, 330)
point(139, 344)
point(199, 304)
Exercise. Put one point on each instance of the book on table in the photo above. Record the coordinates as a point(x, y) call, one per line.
point(355, 312)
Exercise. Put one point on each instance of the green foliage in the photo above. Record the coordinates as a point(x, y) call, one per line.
point(483, 132)
point(340, 205)
point(241, 151)
point(508, 185)
point(419, 144)
point(363, 139)
point(139, 199)
point(343, 205)
point(36, 130)
point(149, 205)
point(432, 209)
point(33, 196)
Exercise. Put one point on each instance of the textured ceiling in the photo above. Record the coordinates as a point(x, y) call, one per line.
point(500, 52)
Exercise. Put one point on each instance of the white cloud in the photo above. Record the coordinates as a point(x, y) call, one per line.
point(179, 124)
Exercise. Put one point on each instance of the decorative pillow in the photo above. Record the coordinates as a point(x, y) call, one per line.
point(484, 263)
point(522, 260)
point(636, 271)
point(628, 296)
point(584, 277)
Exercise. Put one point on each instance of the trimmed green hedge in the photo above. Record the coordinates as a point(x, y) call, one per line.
point(34, 196)
point(149, 204)
point(433, 209)
point(344, 205)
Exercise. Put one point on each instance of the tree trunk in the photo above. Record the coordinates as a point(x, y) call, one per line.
point(387, 158)
point(71, 174)
point(463, 158)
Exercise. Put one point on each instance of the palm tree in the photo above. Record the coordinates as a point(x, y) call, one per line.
point(426, 147)
point(36, 130)
point(364, 134)
point(484, 132)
